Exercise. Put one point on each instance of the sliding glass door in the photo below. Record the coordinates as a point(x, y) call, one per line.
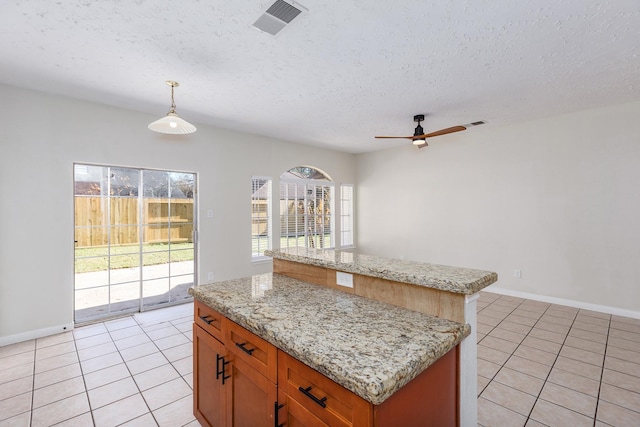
point(134, 239)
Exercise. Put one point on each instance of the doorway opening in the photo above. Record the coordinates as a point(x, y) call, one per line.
point(135, 242)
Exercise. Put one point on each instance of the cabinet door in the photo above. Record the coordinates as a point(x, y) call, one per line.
point(209, 397)
point(293, 414)
point(252, 396)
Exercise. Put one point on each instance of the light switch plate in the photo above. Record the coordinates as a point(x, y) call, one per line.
point(344, 279)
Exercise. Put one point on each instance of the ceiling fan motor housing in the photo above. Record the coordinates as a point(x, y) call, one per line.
point(418, 118)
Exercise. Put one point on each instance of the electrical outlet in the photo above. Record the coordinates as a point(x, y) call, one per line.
point(210, 275)
point(517, 274)
point(344, 279)
point(210, 213)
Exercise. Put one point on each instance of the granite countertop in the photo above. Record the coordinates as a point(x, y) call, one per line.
point(445, 278)
point(369, 347)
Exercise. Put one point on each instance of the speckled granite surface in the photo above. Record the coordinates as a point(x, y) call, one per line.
point(452, 279)
point(368, 347)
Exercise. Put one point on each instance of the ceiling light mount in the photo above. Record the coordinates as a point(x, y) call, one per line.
point(419, 132)
point(172, 123)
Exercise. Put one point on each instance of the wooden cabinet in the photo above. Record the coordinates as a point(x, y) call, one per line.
point(242, 380)
point(234, 373)
point(209, 397)
point(251, 396)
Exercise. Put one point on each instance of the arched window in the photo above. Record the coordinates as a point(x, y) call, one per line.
point(306, 208)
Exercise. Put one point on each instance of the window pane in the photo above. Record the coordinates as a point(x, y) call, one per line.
point(92, 297)
point(182, 185)
point(124, 182)
point(124, 297)
point(155, 291)
point(124, 210)
point(156, 265)
point(346, 215)
point(260, 216)
point(91, 180)
point(155, 183)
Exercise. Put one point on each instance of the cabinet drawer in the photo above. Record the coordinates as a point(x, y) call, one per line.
point(209, 319)
point(256, 352)
point(327, 400)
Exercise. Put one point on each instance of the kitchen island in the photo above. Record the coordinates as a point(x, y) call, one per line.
point(444, 291)
point(320, 356)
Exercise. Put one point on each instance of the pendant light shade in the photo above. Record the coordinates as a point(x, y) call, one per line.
point(172, 123)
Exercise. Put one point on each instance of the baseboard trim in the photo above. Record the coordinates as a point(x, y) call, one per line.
point(38, 333)
point(568, 302)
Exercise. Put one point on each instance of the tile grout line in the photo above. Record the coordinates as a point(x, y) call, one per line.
point(33, 381)
point(84, 382)
point(604, 358)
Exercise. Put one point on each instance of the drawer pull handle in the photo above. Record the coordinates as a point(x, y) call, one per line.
point(249, 351)
point(220, 372)
point(307, 392)
point(208, 322)
point(277, 408)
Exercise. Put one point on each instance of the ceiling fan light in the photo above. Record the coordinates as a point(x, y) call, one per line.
point(419, 141)
point(172, 124)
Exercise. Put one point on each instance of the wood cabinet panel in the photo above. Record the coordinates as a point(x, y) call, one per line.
point(307, 273)
point(209, 394)
point(294, 414)
point(208, 319)
point(324, 398)
point(446, 305)
point(256, 352)
point(251, 398)
point(430, 399)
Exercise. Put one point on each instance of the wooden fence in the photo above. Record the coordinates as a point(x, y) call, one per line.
point(116, 220)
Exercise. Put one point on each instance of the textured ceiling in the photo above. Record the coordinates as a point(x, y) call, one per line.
point(338, 74)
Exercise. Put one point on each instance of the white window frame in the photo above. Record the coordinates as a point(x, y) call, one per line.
point(347, 232)
point(263, 242)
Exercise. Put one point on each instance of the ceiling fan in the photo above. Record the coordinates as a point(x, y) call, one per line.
point(419, 137)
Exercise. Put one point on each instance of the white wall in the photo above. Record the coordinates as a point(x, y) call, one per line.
point(558, 198)
point(43, 135)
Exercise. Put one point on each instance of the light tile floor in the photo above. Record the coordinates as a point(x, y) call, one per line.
point(133, 371)
point(538, 364)
point(542, 364)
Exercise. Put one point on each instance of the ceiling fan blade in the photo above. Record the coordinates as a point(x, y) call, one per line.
point(395, 137)
point(443, 131)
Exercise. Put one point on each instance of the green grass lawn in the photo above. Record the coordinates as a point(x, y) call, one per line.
point(97, 258)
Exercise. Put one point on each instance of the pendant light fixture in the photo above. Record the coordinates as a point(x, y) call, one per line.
point(172, 123)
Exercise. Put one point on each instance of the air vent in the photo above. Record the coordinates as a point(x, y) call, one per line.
point(277, 16)
point(481, 122)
